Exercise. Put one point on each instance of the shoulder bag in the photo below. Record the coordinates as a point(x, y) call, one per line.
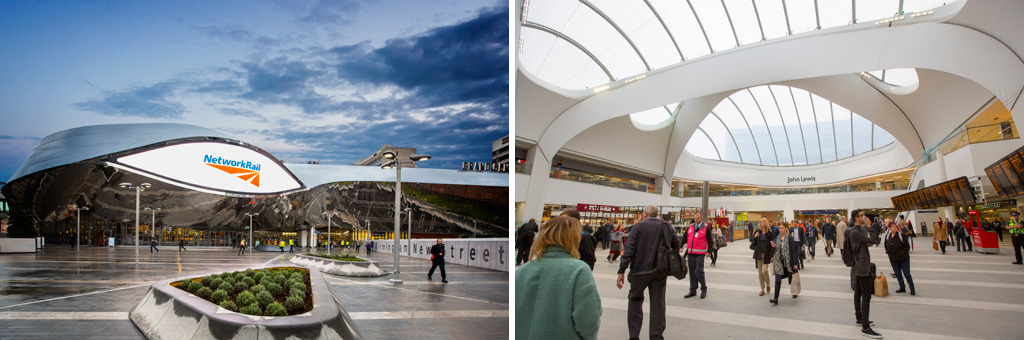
point(669, 262)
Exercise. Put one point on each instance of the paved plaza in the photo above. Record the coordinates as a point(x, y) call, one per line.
point(959, 295)
point(61, 293)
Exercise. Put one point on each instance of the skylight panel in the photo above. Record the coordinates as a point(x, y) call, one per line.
point(682, 23)
point(743, 18)
point(835, 13)
point(772, 18)
point(716, 24)
point(700, 146)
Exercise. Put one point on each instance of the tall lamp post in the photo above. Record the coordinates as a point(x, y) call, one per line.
point(78, 232)
point(250, 231)
point(138, 191)
point(397, 164)
point(408, 217)
point(329, 214)
point(152, 226)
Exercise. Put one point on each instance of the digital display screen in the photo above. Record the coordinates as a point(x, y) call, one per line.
point(1007, 174)
point(954, 192)
point(214, 166)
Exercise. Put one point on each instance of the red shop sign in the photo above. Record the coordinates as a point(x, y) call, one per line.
point(597, 208)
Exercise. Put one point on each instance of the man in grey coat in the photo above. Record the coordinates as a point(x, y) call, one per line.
point(860, 239)
point(639, 257)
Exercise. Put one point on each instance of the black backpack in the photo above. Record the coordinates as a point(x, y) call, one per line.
point(847, 252)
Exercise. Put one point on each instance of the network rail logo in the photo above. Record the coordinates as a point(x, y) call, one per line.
point(244, 170)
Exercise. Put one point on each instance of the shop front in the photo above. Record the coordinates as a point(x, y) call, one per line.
point(990, 212)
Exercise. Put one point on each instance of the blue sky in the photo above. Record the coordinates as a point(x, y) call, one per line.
point(332, 80)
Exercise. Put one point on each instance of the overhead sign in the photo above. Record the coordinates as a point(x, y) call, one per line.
point(214, 166)
point(957, 191)
point(596, 208)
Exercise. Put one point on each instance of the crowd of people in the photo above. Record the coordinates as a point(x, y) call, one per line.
point(556, 295)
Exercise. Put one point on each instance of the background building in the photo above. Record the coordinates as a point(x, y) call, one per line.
point(499, 153)
point(376, 159)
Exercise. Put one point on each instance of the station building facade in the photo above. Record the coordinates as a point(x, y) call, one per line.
point(210, 188)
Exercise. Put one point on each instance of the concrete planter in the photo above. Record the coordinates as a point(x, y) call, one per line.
point(344, 268)
point(167, 312)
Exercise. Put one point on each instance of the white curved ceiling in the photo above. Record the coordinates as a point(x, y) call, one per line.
point(581, 44)
point(783, 126)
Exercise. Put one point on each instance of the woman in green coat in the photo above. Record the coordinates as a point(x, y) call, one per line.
point(556, 297)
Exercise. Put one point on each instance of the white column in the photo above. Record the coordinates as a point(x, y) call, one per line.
point(788, 212)
point(302, 238)
point(539, 172)
point(940, 164)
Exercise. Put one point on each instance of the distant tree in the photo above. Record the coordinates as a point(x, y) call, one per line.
point(20, 224)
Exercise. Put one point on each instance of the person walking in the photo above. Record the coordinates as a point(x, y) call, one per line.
point(941, 235)
point(860, 239)
point(959, 235)
point(841, 227)
point(152, 244)
point(524, 240)
point(556, 296)
point(587, 247)
point(241, 247)
point(717, 240)
point(761, 240)
point(281, 244)
point(897, 246)
point(999, 229)
point(369, 244)
point(698, 238)
point(291, 245)
point(799, 236)
point(608, 229)
point(786, 254)
point(181, 245)
point(437, 260)
point(750, 229)
point(1016, 235)
point(812, 238)
point(645, 238)
point(599, 235)
point(617, 244)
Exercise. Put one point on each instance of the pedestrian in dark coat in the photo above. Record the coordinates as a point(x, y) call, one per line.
point(763, 254)
point(897, 246)
point(524, 240)
point(861, 237)
point(437, 260)
point(599, 235)
point(786, 262)
point(587, 247)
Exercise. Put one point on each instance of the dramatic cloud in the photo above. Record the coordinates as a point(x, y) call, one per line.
point(244, 113)
point(458, 63)
point(443, 91)
point(140, 101)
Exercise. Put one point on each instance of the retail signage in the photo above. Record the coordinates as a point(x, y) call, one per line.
point(1007, 174)
point(596, 208)
point(215, 166)
point(801, 179)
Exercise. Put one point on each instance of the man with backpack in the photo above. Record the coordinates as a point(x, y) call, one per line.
point(640, 258)
point(856, 256)
point(812, 238)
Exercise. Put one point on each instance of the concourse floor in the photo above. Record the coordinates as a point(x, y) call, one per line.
point(61, 293)
point(959, 295)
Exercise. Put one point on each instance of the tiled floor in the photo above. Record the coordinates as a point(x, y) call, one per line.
point(61, 293)
point(959, 295)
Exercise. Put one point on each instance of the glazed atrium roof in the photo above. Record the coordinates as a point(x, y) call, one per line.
point(584, 44)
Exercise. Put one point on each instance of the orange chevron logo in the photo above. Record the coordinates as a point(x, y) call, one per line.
point(250, 176)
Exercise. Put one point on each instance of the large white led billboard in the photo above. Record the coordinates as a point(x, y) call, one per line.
point(214, 166)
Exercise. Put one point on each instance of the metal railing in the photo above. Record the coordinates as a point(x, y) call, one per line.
point(523, 168)
point(970, 135)
point(864, 187)
point(608, 181)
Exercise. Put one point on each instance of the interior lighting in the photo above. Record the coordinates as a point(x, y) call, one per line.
point(921, 14)
point(890, 20)
point(602, 88)
point(635, 78)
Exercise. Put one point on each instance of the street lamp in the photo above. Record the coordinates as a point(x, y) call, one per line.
point(329, 214)
point(152, 226)
point(408, 213)
point(397, 164)
point(78, 232)
point(250, 231)
point(138, 191)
